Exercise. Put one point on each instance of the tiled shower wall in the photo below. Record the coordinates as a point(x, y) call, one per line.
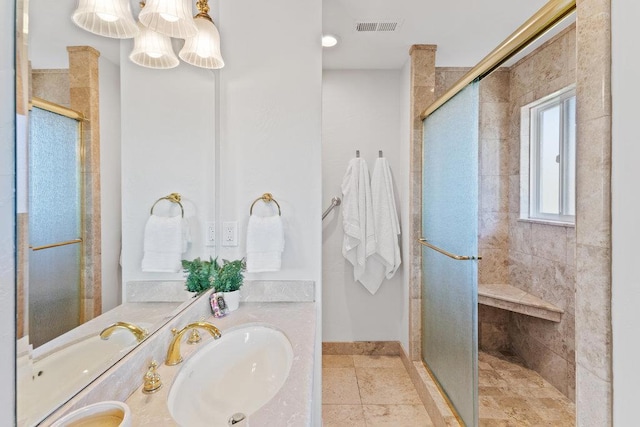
point(537, 258)
point(542, 257)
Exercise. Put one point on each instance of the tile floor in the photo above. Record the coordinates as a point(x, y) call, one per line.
point(376, 391)
point(511, 395)
point(369, 391)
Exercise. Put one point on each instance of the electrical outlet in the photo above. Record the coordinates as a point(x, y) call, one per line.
point(230, 233)
point(210, 233)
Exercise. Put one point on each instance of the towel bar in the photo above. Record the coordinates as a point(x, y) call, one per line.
point(334, 202)
point(266, 197)
point(173, 198)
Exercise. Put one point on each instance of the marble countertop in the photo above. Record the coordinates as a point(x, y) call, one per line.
point(291, 406)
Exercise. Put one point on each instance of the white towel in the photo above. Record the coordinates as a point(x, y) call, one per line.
point(357, 216)
point(265, 243)
point(386, 259)
point(165, 239)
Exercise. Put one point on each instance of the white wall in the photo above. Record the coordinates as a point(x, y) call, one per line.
point(270, 112)
point(270, 124)
point(7, 212)
point(168, 137)
point(361, 111)
point(625, 206)
point(111, 241)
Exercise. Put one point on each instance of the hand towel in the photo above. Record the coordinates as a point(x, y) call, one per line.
point(357, 216)
point(265, 243)
point(386, 259)
point(164, 243)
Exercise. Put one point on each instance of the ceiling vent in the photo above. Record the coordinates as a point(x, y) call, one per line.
point(376, 26)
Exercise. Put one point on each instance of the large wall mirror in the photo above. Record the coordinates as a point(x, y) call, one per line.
point(77, 196)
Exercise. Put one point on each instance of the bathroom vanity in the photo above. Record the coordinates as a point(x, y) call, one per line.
point(290, 405)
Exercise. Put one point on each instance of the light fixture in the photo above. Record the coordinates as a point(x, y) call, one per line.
point(153, 50)
point(329, 40)
point(170, 17)
point(203, 50)
point(109, 18)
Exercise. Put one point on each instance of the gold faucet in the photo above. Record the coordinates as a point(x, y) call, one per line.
point(152, 381)
point(139, 333)
point(173, 353)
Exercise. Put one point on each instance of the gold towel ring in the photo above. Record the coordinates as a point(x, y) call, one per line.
point(266, 197)
point(173, 198)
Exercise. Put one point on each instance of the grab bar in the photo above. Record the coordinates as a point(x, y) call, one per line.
point(334, 202)
point(424, 242)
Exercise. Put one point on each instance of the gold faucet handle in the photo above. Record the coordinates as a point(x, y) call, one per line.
point(194, 337)
point(152, 381)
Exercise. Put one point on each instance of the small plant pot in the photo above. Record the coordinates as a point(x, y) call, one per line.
point(232, 299)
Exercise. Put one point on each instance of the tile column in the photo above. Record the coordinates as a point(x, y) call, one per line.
point(23, 95)
point(84, 86)
point(423, 80)
point(593, 214)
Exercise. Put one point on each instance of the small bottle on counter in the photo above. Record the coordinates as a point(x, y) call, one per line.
point(218, 305)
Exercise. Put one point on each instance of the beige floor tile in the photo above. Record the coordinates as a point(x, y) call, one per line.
point(507, 389)
point(519, 410)
point(337, 361)
point(378, 362)
point(396, 416)
point(339, 386)
point(386, 386)
point(488, 408)
point(343, 415)
point(490, 378)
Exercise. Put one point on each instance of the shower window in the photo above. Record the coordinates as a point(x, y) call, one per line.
point(549, 141)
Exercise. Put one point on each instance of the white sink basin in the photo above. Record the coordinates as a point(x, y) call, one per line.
point(109, 413)
point(237, 373)
point(64, 372)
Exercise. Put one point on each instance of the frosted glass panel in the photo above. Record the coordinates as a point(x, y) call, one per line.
point(54, 286)
point(450, 221)
point(54, 197)
point(54, 217)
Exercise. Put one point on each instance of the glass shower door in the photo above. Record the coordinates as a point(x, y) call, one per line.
point(450, 244)
point(54, 225)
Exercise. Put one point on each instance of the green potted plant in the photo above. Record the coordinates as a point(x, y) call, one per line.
point(199, 274)
point(228, 278)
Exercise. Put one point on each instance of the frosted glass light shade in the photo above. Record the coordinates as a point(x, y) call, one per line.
point(203, 50)
point(170, 17)
point(153, 50)
point(109, 18)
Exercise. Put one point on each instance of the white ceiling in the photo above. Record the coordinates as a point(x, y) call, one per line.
point(464, 30)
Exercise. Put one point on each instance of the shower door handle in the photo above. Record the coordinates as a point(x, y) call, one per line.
point(424, 242)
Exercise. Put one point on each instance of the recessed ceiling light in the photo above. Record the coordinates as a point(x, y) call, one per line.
point(329, 40)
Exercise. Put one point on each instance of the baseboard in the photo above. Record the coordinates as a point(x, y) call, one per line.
point(369, 348)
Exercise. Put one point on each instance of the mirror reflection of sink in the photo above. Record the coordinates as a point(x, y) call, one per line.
point(237, 373)
point(65, 371)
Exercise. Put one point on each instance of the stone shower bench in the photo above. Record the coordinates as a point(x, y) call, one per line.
point(510, 298)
